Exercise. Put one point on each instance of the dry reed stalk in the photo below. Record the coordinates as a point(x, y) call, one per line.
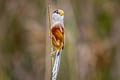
point(49, 24)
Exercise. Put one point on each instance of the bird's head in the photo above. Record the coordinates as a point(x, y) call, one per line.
point(58, 16)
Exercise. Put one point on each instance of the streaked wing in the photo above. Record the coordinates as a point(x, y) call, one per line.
point(57, 36)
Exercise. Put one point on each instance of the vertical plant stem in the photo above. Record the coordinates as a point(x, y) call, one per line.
point(49, 24)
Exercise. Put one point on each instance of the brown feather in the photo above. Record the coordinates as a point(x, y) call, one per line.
point(57, 32)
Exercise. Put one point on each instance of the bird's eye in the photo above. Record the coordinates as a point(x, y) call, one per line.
point(56, 11)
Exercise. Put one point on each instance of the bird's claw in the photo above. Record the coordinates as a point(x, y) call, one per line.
point(53, 53)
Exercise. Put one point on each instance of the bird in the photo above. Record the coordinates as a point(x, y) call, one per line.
point(57, 38)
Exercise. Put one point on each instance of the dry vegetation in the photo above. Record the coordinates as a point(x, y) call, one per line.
point(92, 48)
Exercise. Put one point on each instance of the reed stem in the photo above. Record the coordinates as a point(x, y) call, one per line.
point(49, 24)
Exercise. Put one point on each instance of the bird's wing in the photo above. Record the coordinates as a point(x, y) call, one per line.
point(57, 36)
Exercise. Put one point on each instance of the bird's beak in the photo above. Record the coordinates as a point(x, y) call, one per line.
point(61, 13)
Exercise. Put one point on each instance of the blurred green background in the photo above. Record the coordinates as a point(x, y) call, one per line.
point(92, 46)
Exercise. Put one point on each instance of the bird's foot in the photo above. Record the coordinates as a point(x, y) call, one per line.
point(53, 53)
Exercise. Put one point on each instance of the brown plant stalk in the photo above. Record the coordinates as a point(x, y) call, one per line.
point(49, 24)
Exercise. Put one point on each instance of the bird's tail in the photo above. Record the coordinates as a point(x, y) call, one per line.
point(56, 65)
